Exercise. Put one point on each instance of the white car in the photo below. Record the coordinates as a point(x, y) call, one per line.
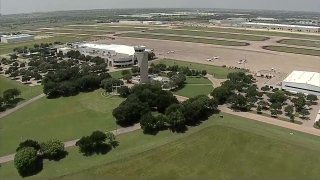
point(216, 57)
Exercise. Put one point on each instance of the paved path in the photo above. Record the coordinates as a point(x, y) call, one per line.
point(8, 158)
point(10, 111)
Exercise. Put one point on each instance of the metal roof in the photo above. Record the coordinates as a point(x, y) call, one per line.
point(303, 77)
point(123, 49)
point(281, 25)
point(16, 36)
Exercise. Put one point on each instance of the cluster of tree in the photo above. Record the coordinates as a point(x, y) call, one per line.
point(158, 68)
point(127, 75)
point(98, 142)
point(70, 81)
point(9, 98)
point(30, 153)
point(239, 91)
point(142, 99)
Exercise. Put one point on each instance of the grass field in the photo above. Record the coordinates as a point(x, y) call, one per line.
point(64, 118)
point(228, 148)
point(211, 34)
point(254, 32)
point(108, 28)
point(193, 90)
point(27, 92)
point(116, 74)
point(185, 39)
point(301, 42)
point(311, 52)
point(217, 71)
point(7, 48)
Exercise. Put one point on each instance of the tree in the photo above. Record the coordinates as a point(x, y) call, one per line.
point(111, 138)
point(265, 88)
point(178, 80)
point(28, 143)
point(299, 103)
point(176, 121)
point(289, 110)
point(26, 161)
point(130, 111)
point(135, 70)
point(10, 94)
point(239, 102)
point(127, 77)
point(150, 124)
point(203, 72)
point(124, 91)
point(304, 112)
point(52, 149)
point(221, 94)
point(312, 98)
point(96, 142)
point(278, 97)
point(107, 84)
point(125, 72)
point(259, 109)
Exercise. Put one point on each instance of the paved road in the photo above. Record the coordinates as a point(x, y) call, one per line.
point(8, 158)
point(10, 111)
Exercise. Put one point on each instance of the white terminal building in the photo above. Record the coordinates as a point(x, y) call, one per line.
point(281, 27)
point(16, 38)
point(117, 55)
point(302, 82)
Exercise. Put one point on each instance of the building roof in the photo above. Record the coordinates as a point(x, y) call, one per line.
point(303, 77)
point(123, 49)
point(281, 25)
point(16, 36)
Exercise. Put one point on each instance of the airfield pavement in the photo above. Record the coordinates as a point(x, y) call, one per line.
point(257, 58)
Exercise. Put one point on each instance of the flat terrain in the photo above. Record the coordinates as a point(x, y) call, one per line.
point(193, 90)
point(64, 119)
point(218, 72)
point(255, 32)
point(228, 148)
point(294, 50)
point(298, 42)
point(27, 92)
point(185, 39)
point(210, 34)
point(7, 48)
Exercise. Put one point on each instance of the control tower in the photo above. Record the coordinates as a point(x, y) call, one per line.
point(142, 57)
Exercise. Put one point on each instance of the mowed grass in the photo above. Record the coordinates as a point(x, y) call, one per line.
point(8, 48)
point(185, 39)
point(301, 42)
point(63, 118)
point(304, 51)
point(27, 92)
point(211, 34)
point(254, 32)
point(218, 71)
point(220, 148)
point(193, 90)
point(108, 28)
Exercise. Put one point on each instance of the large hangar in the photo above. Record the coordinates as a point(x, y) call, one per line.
point(302, 82)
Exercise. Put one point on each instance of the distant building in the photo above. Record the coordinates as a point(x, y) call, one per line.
point(142, 57)
point(16, 38)
point(282, 27)
point(115, 54)
point(229, 21)
point(302, 82)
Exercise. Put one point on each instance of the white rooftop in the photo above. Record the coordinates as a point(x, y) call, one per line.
point(16, 36)
point(281, 25)
point(303, 77)
point(123, 49)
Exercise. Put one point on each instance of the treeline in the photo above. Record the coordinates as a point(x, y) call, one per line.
point(144, 100)
point(175, 69)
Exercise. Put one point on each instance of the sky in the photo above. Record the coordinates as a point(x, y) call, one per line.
point(28, 6)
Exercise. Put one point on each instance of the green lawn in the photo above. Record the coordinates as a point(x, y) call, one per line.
point(311, 52)
point(185, 39)
point(301, 42)
point(228, 148)
point(7, 48)
point(193, 90)
point(108, 28)
point(211, 34)
point(116, 74)
point(63, 118)
point(255, 32)
point(27, 92)
point(197, 80)
point(217, 71)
